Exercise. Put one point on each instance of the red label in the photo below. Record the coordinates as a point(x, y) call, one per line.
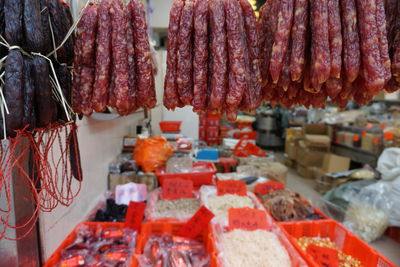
point(247, 219)
point(364, 133)
point(337, 140)
point(173, 189)
point(113, 234)
point(231, 187)
point(269, 186)
point(116, 256)
point(382, 126)
point(196, 225)
point(375, 140)
point(72, 262)
point(134, 215)
point(325, 257)
point(369, 125)
point(356, 138)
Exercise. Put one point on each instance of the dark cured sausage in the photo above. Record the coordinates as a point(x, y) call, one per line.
point(383, 40)
point(29, 95)
point(13, 91)
point(253, 37)
point(33, 26)
point(335, 37)
point(219, 60)
point(44, 12)
point(184, 75)
point(120, 55)
point(351, 46)
point(299, 34)
point(103, 58)
point(236, 42)
point(373, 71)
point(171, 97)
point(281, 39)
point(13, 13)
point(200, 66)
point(320, 54)
point(46, 106)
point(146, 93)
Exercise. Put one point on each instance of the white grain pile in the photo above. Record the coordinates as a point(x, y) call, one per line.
point(220, 205)
point(258, 248)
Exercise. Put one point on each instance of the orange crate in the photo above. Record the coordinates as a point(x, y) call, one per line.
point(200, 178)
point(170, 126)
point(344, 240)
point(154, 228)
point(56, 256)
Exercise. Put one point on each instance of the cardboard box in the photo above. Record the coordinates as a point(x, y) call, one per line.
point(348, 139)
point(316, 129)
point(289, 162)
point(149, 179)
point(308, 157)
point(290, 149)
point(318, 172)
point(304, 171)
point(318, 142)
point(334, 163)
point(294, 132)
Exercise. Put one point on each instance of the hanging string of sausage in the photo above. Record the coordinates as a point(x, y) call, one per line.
point(299, 52)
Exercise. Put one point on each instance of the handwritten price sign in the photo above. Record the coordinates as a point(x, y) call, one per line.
point(267, 187)
point(231, 187)
point(134, 215)
point(196, 225)
point(247, 219)
point(177, 188)
point(326, 257)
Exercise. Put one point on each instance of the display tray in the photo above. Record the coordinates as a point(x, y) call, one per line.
point(338, 234)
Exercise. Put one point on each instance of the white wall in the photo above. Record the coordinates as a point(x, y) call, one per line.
point(160, 17)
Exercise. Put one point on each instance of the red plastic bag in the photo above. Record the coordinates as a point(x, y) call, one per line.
point(246, 149)
point(152, 153)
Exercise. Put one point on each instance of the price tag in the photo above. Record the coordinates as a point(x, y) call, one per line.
point(356, 138)
point(325, 257)
point(337, 140)
point(364, 133)
point(176, 188)
point(265, 188)
point(134, 215)
point(382, 126)
point(369, 125)
point(73, 261)
point(247, 219)
point(376, 141)
point(197, 223)
point(231, 187)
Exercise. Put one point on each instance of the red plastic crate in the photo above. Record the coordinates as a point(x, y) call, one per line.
point(212, 132)
point(199, 178)
point(56, 256)
point(170, 126)
point(202, 132)
point(394, 233)
point(153, 228)
point(344, 240)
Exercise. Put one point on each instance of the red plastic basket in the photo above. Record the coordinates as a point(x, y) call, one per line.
point(56, 256)
point(199, 178)
point(170, 126)
point(153, 228)
point(344, 240)
point(394, 233)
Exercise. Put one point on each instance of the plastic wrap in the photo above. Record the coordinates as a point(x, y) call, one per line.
point(179, 210)
point(248, 249)
point(168, 250)
point(152, 153)
point(110, 246)
point(389, 163)
point(219, 205)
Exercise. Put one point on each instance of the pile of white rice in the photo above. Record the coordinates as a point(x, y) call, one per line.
point(258, 248)
point(220, 205)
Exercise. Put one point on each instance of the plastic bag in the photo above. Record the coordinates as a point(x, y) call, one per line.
point(389, 164)
point(152, 153)
point(169, 250)
point(179, 210)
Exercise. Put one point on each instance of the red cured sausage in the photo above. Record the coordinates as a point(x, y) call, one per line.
point(333, 86)
point(236, 43)
point(103, 59)
point(320, 54)
point(284, 80)
point(184, 75)
point(219, 67)
point(119, 55)
point(335, 37)
point(371, 60)
point(383, 40)
point(281, 39)
point(171, 97)
point(351, 42)
point(255, 92)
point(299, 34)
point(146, 93)
point(200, 66)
